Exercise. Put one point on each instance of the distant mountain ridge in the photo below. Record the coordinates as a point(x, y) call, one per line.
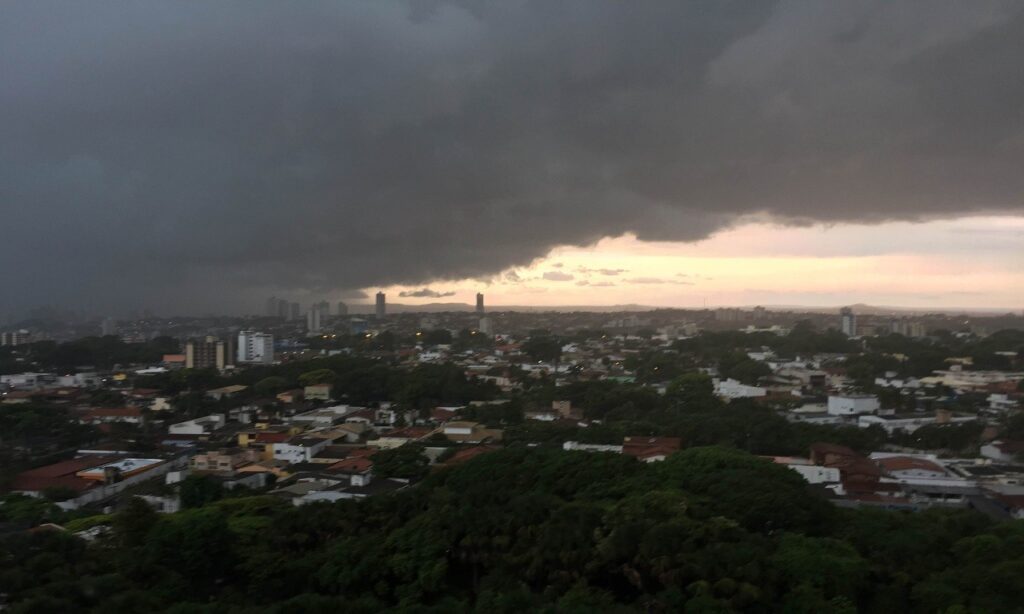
point(859, 308)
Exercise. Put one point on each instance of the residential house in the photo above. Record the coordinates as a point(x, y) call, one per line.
point(1004, 451)
point(650, 449)
point(470, 432)
point(318, 392)
point(299, 449)
point(906, 467)
point(399, 437)
point(199, 426)
point(225, 392)
point(290, 396)
point(223, 461)
point(107, 415)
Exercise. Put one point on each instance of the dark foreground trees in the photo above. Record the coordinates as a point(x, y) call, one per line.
point(708, 530)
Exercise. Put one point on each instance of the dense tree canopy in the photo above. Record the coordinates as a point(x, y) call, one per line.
point(709, 529)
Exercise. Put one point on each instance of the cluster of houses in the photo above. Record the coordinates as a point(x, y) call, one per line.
point(324, 453)
point(306, 448)
point(993, 483)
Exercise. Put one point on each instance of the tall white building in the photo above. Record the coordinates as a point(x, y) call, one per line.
point(848, 322)
point(255, 347)
point(314, 318)
point(14, 338)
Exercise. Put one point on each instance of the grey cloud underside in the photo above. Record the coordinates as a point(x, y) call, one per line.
point(425, 293)
point(206, 154)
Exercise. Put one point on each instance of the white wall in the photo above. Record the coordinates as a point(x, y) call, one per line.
point(849, 405)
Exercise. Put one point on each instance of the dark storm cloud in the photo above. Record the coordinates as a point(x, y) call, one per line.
point(424, 293)
point(208, 154)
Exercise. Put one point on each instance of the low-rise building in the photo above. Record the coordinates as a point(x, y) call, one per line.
point(1003, 451)
point(852, 404)
point(908, 422)
point(198, 426)
point(650, 449)
point(318, 392)
point(470, 432)
point(731, 389)
point(107, 415)
point(299, 449)
point(223, 461)
point(225, 392)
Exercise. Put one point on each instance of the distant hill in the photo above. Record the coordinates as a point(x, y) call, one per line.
point(888, 310)
point(859, 308)
point(439, 307)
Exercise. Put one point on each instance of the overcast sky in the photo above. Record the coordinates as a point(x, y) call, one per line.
point(197, 156)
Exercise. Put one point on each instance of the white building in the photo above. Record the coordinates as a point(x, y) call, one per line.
point(300, 449)
point(591, 447)
point(848, 322)
point(907, 423)
point(314, 318)
point(198, 426)
point(28, 381)
point(323, 417)
point(958, 378)
point(732, 389)
point(15, 338)
point(255, 347)
point(1002, 451)
point(80, 380)
point(1002, 403)
point(852, 404)
point(891, 381)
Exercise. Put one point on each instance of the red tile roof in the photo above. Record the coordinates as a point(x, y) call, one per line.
point(114, 412)
point(906, 463)
point(22, 394)
point(366, 414)
point(832, 448)
point(440, 414)
point(410, 432)
point(1009, 447)
point(271, 437)
point(466, 454)
point(352, 465)
point(59, 475)
point(362, 452)
point(647, 447)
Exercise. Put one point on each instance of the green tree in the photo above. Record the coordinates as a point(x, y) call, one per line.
point(693, 391)
point(543, 348)
point(319, 376)
point(133, 523)
point(439, 336)
point(270, 385)
point(406, 461)
point(198, 490)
